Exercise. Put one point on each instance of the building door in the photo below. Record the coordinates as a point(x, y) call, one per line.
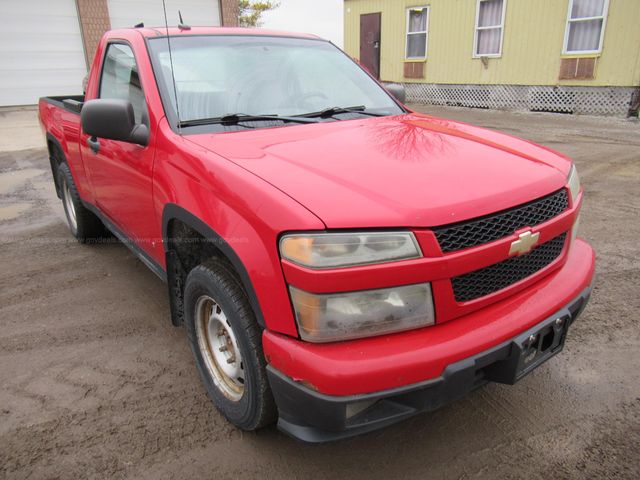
point(196, 13)
point(41, 51)
point(370, 42)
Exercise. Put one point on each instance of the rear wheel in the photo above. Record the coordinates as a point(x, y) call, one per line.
point(84, 225)
point(227, 346)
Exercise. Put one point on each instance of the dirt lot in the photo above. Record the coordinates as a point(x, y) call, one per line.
point(94, 382)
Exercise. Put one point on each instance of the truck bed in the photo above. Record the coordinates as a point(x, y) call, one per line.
point(73, 103)
point(60, 117)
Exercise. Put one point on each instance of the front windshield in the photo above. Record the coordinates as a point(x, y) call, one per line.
point(258, 75)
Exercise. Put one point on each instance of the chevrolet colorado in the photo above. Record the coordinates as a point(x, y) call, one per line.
point(338, 261)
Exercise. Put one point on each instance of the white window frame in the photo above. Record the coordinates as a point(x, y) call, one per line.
point(603, 17)
point(493, 27)
point(425, 32)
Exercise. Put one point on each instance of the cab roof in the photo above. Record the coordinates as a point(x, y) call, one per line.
point(151, 32)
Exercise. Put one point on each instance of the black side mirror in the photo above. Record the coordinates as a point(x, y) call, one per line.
point(113, 119)
point(397, 90)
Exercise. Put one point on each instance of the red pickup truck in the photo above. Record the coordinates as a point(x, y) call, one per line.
point(338, 261)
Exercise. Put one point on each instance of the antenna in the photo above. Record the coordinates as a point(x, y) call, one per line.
point(173, 77)
point(182, 25)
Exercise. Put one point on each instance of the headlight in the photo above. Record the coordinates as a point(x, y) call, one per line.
point(574, 189)
point(330, 250)
point(348, 315)
point(574, 184)
point(574, 229)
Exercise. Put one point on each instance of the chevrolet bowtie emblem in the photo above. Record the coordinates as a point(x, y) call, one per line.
point(525, 243)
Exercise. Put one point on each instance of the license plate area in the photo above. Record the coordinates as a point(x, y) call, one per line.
point(539, 346)
point(530, 350)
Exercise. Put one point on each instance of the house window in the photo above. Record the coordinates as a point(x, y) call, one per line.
point(489, 28)
point(417, 21)
point(585, 26)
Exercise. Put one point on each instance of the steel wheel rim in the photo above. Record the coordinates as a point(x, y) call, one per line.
point(219, 348)
point(69, 208)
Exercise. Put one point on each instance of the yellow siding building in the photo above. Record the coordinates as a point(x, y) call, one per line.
point(578, 56)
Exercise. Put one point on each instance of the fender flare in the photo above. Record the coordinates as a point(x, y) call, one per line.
point(172, 211)
point(52, 139)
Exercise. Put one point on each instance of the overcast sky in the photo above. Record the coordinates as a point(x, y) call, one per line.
point(321, 17)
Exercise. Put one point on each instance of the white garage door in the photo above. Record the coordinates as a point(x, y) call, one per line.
point(41, 50)
point(127, 13)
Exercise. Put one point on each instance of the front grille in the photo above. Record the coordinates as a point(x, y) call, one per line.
point(498, 225)
point(495, 277)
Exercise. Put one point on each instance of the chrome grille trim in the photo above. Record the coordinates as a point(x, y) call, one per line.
point(498, 276)
point(487, 229)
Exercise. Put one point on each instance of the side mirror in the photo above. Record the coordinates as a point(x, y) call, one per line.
point(398, 91)
point(113, 119)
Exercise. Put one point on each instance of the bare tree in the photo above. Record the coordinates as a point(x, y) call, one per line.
point(250, 11)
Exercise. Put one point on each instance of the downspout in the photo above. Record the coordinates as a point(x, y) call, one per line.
point(634, 104)
point(220, 13)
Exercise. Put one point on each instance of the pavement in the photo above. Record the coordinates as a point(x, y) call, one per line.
point(95, 382)
point(20, 129)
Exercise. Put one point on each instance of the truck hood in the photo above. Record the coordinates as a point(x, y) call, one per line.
point(404, 171)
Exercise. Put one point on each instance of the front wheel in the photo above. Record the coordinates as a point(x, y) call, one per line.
point(226, 342)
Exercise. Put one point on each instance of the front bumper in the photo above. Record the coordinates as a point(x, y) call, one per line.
point(315, 417)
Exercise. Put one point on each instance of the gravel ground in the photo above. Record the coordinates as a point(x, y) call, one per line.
point(94, 381)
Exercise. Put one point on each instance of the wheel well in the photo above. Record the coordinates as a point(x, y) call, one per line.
point(186, 249)
point(191, 247)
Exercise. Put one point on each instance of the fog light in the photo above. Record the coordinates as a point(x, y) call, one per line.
point(354, 409)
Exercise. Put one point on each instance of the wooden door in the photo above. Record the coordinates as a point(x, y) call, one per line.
point(370, 42)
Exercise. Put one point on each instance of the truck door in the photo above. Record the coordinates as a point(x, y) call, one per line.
point(121, 172)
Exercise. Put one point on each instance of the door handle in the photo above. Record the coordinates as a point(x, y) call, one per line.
point(94, 144)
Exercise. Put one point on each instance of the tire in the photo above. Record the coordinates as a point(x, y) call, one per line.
point(84, 225)
point(217, 315)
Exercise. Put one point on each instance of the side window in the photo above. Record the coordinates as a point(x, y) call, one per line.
point(120, 79)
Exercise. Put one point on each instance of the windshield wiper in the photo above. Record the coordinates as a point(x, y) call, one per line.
point(331, 111)
point(236, 118)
